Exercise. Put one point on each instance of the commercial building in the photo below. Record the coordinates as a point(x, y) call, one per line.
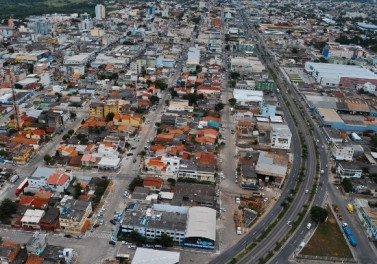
point(272, 167)
point(280, 136)
point(56, 180)
point(368, 217)
point(337, 50)
point(73, 216)
point(348, 170)
point(31, 219)
point(241, 65)
point(342, 151)
point(328, 74)
point(193, 57)
point(36, 244)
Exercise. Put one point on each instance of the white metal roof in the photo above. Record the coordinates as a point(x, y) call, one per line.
point(147, 256)
point(201, 222)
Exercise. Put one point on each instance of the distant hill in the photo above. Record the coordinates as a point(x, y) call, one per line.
point(24, 8)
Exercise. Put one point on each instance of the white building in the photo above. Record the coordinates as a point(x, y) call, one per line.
point(172, 166)
point(100, 12)
point(56, 180)
point(281, 136)
point(193, 57)
point(348, 170)
point(106, 151)
point(328, 74)
point(147, 255)
point(342, 151)
point(246, 97)
point(109, 164)
point(239, 64)
point(31, 219)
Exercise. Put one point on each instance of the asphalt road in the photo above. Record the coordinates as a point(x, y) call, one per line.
point(282, 228)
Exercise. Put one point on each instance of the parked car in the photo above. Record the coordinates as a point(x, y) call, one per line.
point(67, 236)
point(113, 222)
point(112, 243)
point(96, 225)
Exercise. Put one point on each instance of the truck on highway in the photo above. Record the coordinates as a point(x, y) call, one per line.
point(350, 208)
point(14, 178)
point(349, 235)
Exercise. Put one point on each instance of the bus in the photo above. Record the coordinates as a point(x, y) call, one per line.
point(22, 186)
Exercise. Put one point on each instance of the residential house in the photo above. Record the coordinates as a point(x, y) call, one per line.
point(59, 181)
point(180, 105)
point(88, 161)
point(50, 220)
point(190, 169)
point(36, 244)
point(9, 251)
point(73, 217)
point(153, 183)
point(127, 120)
point(22, 154)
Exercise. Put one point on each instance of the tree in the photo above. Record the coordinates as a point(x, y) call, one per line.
point(137, 181)
point(219, 107)
point(142, 153)
point(70, 132)
point(347, 185)
point(154, 99)
point(110, 116)
point(47, 158)
point(232, 101)
point(294, 50)
point(172, 181)
point(166, 240)
point(227, 37)
point(167, 102)
point(66, 136)
point(7, 208)
point(234, 75)
point(72, 114)
point(318, 214)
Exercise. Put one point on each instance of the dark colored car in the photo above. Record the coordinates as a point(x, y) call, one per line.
point(67, 236)
point(134, 160)
point(113, 222)
point(112, 243)
point(96, 225)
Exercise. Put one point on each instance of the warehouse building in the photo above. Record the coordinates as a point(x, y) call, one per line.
point(329, 75)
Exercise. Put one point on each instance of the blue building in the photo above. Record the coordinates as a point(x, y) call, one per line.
point(41, 27)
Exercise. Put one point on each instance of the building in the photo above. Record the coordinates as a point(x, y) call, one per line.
point(190, 169)
point(180, 105)
point(96, 109)
point(327, 74)
point(153, 183)
point(336, 50)
point(194, 194)
point(272, 167)
point(201, 228)
point(31, 219)
point(50, 220)
point(73, 217)
point(40, 26)
point(9, 251)
point(153, 221)
point(56, 180)
point(36, 244)
point(348, 170)
point(281, 137)
point(100, 12)
point(241, 65)
point(342, 151)
point(368, 217)
point(111, 164)
point(193, 57)
point(147, 255)
point(250, 98)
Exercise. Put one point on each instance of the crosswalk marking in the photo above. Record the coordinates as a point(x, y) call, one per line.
point(99, 234)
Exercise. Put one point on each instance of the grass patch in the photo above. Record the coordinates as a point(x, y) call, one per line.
point(328, 241)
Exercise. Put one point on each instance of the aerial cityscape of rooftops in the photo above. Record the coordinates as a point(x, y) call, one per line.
point(185, 132)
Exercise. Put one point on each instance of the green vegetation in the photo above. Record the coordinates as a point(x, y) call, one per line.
point(232, 101)
point(328, 241)
point(110, 116)
point(318, 214)
point(47, 158)
point(24, 8)
point(347, 185)
point(137, 181)
point(100, 190)
point(7, 208)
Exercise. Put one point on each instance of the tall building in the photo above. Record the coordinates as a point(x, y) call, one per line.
point(150, 12)
point(40, 27)
point(100, 12)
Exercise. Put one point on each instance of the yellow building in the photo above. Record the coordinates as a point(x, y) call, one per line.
point(96, 109)
point(74, 217)
point(112, 106)
point(22, 154)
